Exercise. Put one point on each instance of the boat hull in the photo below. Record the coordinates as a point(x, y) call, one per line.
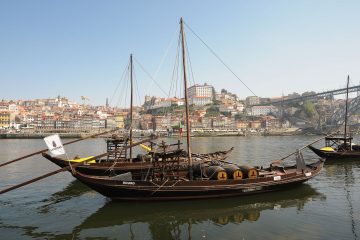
point(351, 155)
point(195, 189)
point(139, 168)
point(106, 168)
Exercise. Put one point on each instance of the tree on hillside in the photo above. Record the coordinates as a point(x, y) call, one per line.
point(226, 114)
point(294, 95)
point(308, 93)
point(212, 111)
point(329, 97)
point(213, 94)
point(309, 109)
point(240, 116)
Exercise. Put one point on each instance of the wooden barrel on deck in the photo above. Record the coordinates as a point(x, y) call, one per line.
point(249, 172)
point(199, 169)
point(216, 173)
point(233, 171)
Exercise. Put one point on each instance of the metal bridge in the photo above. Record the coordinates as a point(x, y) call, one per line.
point(286, 100)
point(338, 116)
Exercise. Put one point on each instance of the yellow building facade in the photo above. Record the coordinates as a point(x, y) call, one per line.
point(4, 119)
point(120, 121)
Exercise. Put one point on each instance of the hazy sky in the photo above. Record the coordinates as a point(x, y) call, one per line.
point(82, 47)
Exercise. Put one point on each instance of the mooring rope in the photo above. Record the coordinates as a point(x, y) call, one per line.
point(159, 187)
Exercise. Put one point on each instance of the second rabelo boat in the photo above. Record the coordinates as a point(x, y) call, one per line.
point(339, 147)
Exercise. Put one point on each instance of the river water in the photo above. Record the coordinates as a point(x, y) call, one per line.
point(59, 207)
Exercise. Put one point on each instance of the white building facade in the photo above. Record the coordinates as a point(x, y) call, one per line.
point(263, 110)
point(252, 100)
point(200, 94)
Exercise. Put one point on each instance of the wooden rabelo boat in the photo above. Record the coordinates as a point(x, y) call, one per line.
point(118, 161)
point(139, 165)
point(339, 147)
point(213, 179)
point(124, 187)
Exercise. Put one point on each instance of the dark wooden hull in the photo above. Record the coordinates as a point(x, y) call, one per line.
point(354, 155)
point(196, 189)
point(105, 168)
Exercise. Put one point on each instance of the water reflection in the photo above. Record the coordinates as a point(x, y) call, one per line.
point(344, 169)
point(171, 220)
point(74, 189)
point(62, 208)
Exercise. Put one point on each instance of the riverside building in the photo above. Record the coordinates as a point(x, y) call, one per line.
point(200, 94)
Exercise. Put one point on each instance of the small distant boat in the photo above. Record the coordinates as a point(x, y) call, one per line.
point(342, 147)
point(338, 148)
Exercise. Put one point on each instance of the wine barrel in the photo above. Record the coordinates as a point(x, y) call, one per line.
point(249, 172)
point(216, 173)
point(142, 158)
point(199, 169)
point(233, 171)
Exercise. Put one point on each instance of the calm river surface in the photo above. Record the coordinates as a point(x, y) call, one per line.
point(59, 207)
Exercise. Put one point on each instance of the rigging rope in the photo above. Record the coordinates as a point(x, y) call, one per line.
point(159, 67)
point(136, 87)
point(189, 63)
point(217, 56)
point(118, 85)
point(175, 73)
point(123, 98)
point(166, 53)
point(149, 75)
point(124, 82)
point(175, 77)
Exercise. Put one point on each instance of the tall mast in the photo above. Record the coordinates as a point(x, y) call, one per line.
point(186, 98)
point(131, 102)
point(346, 105)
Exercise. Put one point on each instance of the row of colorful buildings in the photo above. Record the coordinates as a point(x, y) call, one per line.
point(61, 113)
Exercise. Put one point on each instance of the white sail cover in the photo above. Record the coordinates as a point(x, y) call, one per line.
point(54, 145)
